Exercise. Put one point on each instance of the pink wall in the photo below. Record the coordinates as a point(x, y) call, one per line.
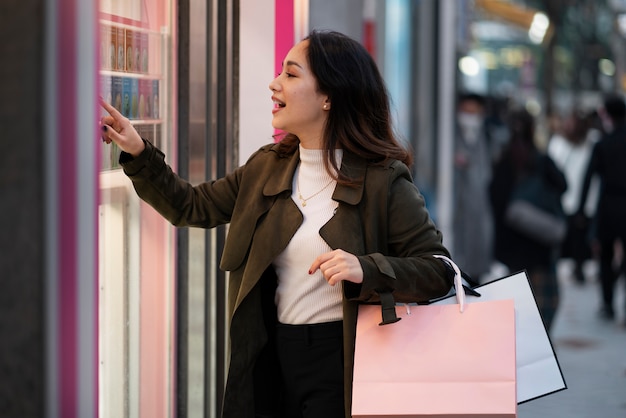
point(154, 348)
point(283, 32)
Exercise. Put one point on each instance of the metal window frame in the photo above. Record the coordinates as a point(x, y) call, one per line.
point(220, 148)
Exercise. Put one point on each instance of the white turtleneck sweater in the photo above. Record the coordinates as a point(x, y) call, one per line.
point(304, 298)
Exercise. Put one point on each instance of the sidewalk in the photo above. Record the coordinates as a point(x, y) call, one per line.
point(592, 355)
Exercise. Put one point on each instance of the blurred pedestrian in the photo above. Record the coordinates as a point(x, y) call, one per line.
point(521, 160)
point(472, 223)
point(496, 130)
point(608, 161)
point(570, 149)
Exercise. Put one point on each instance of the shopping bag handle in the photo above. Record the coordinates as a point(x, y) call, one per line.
point(388, 305)
point(458, 281)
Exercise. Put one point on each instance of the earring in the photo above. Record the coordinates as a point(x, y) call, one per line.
point(325, 107)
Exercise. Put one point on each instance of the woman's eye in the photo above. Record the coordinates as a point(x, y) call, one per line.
point(289, 75)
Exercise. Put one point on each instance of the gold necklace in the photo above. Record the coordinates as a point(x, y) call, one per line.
point(304, 200)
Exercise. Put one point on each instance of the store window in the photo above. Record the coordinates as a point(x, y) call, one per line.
point(137, 246)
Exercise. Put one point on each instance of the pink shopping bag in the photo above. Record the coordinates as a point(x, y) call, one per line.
point(438, 361)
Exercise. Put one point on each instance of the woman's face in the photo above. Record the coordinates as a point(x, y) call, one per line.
point(298, 105)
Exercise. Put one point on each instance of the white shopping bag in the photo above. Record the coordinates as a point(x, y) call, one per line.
point(538, 370)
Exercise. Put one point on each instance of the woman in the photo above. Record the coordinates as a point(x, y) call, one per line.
point(570, 151)
point(520, 160)
point(472, 222)
point(321, 221)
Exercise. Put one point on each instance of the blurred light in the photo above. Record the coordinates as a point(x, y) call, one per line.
point(606, 67)
point(489, 59)
point(533, 107)
point(621, 23)
point(469, 66)
point(538, 28)
point(536, 23)
point(512, 57)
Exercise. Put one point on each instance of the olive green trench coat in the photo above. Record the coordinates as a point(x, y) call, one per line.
point(383, 221)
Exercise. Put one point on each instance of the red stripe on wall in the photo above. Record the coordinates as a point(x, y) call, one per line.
point(283, 36)
point(369, 36)
point(283, 31)
point(67, 238)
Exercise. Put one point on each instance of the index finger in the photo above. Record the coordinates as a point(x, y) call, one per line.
point(322, 258)
point(112, 111)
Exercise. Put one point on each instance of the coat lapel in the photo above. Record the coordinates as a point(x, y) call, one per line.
point(347, 216)
point(275, 228)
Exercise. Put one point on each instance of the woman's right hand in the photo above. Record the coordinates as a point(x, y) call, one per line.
point(117, 128)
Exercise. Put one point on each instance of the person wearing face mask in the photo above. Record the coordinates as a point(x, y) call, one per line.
point(324, 219)
point(472, 221)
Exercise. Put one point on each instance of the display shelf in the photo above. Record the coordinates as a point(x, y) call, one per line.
point(131, 77)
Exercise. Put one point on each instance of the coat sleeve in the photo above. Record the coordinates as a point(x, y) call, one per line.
point(403, 263)
point(206, 205)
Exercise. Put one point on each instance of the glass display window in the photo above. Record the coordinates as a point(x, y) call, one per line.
point(136, 247)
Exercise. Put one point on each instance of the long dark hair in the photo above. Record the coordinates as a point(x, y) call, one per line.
point(359, 119)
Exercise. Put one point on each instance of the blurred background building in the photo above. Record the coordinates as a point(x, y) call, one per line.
point(108, 311)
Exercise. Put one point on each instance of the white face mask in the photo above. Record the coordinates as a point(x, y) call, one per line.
point(470, 125)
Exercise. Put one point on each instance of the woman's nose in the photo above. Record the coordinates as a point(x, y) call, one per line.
point(274, 85)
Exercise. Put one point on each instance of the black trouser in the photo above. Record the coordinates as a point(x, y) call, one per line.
point(611, 228)
point(311, 362)
point(609, 273)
